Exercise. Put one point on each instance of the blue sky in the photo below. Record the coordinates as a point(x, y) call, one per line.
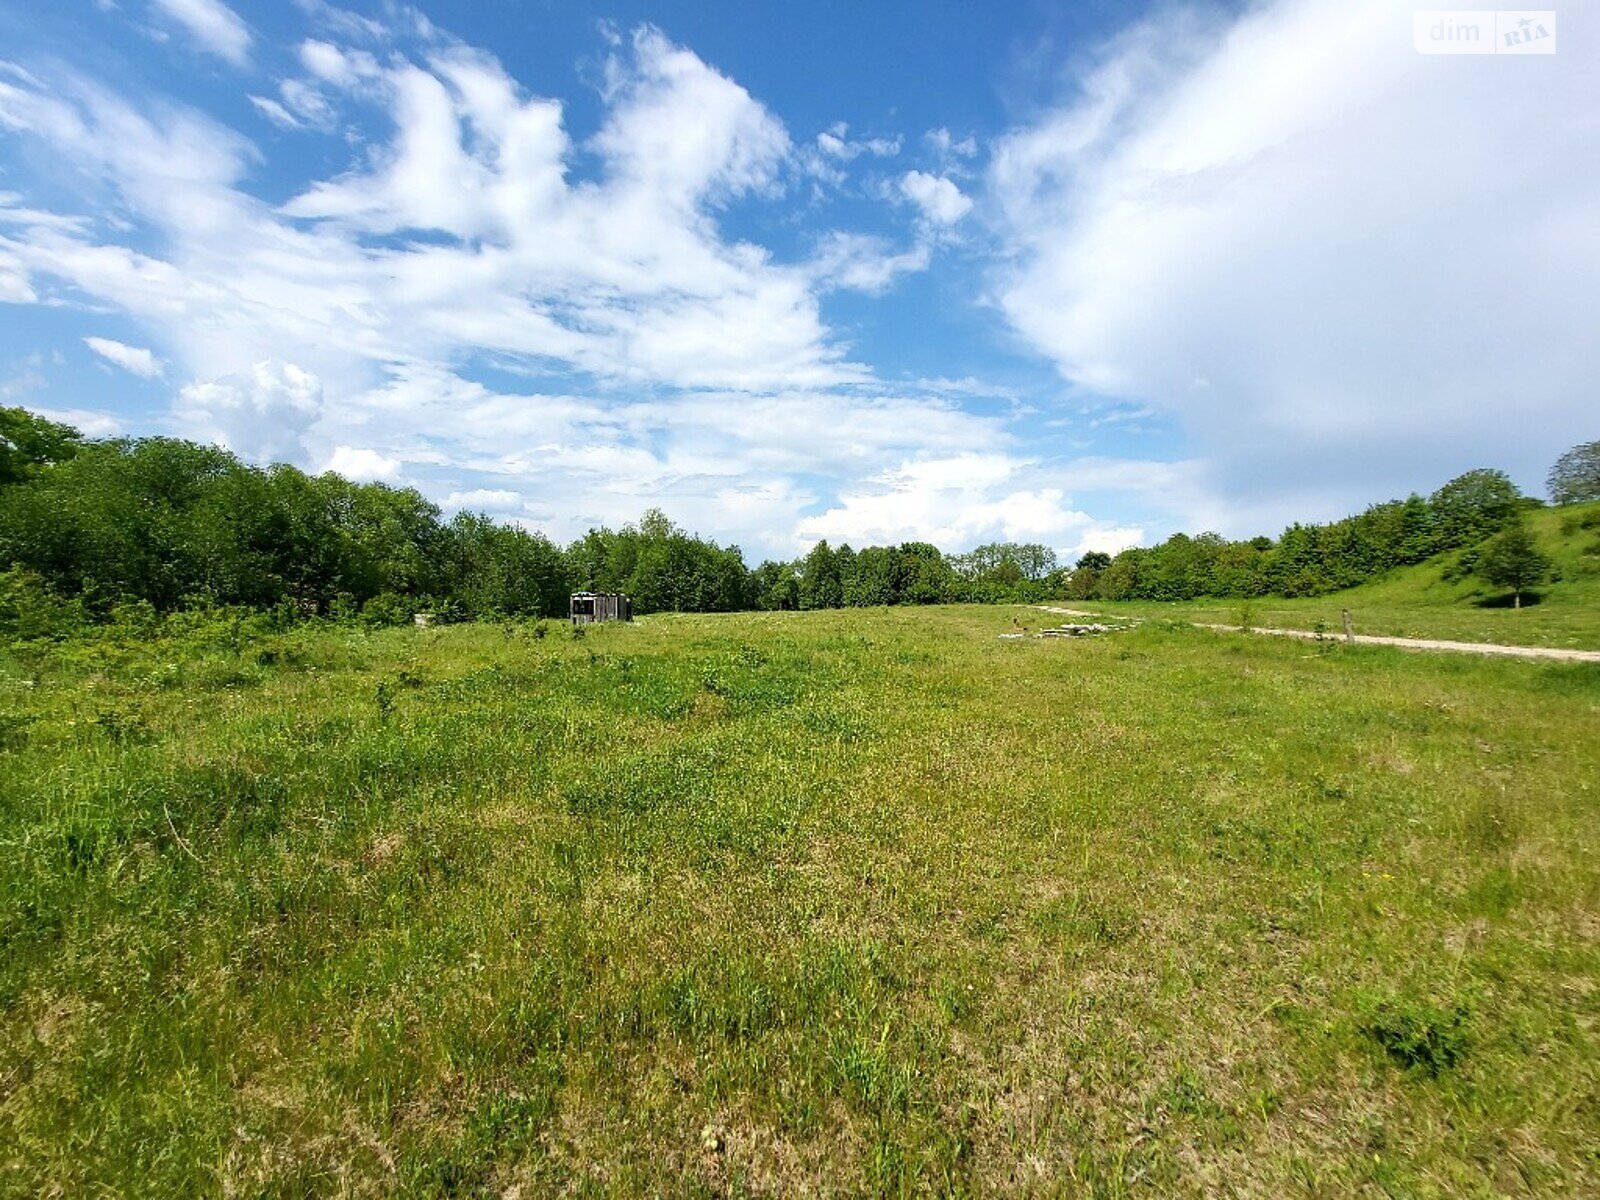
point(1078, 273)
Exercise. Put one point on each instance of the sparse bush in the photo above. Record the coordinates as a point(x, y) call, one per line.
point(122, 726)
point(135, 619)
point(30, 610)
point(386, 609)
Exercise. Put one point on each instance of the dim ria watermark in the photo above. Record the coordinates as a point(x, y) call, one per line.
point(1486, 31)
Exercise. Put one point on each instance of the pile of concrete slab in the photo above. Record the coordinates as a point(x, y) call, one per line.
point(1085, 630)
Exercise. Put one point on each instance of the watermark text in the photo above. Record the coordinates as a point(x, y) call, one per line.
point(1484, 31)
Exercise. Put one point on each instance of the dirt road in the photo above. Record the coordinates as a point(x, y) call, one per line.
point(1545, 652)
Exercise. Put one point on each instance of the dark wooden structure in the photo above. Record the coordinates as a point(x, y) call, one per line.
point(589, 607)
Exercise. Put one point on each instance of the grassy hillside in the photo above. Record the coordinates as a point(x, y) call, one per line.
point(1422, 601)
point(862, 902)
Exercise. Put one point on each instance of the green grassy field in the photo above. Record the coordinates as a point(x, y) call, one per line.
point(1421, 602)
point(864, 902)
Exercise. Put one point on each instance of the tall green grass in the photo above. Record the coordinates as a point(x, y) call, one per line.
point(864, 902)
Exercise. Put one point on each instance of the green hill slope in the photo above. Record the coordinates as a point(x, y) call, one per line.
point(1436, 599)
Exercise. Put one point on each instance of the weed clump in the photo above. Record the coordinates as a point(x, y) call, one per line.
point(1418, 1035)
point(1493, 825)
point(123, 726)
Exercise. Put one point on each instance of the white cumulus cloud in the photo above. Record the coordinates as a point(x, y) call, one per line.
point(498, 500)
point(836, 142)
point(962, 500)
point(941, 201)
point(363, 465)
point(470, 233)
point(946, 145)
point(1348, 269)
point(263, 414)
point(86, 421)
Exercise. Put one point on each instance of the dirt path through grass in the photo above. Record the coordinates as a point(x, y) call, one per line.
point(1375, 640)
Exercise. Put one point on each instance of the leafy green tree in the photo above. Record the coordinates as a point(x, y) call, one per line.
point(591, 562)
point(1025, 560)
point(1037, 561)
point(1414, 538)
point(1295, 566)
point(1121, 580)
point(394, 538)
point(140, 519)
point(313, 546)
point(775, 587)
point(1000, 571)
point(820, 585)
point(1007, 574)
point(1471, 507)
point(1085, 575)
point(873, 581)
point(662, 568)
point(500, 570)
point(1511, 559)
point(921, 574)
point(729, 584)
point(158, 524)
point(844, 559)
point(652, 581)
point(1575, 478)
point(29, 443)
point(1238, 569)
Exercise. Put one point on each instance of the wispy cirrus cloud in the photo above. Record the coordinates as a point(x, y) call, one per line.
point(135, 360)
point(211, 23)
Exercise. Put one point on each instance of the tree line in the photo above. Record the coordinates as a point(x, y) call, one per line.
point(1481, 508)
point(172, 524)
point(91, 525)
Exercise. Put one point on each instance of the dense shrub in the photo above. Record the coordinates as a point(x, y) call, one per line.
point(29, 610)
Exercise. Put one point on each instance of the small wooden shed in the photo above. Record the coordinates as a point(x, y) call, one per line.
point(589, 607)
